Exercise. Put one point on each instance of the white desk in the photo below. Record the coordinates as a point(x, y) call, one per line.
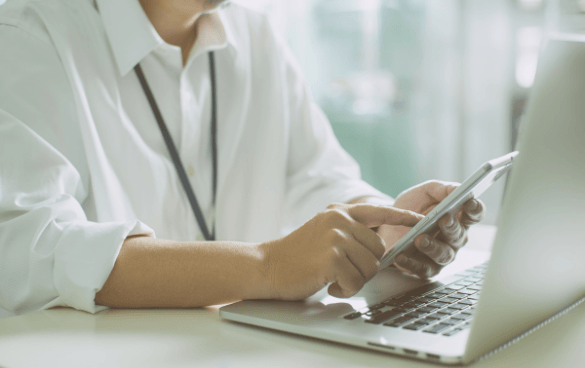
point(199, 338)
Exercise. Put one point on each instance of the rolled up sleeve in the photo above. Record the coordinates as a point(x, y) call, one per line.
point(50, 254)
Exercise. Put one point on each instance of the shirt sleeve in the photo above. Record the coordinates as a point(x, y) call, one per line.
point(50, 254)
point(320, 172)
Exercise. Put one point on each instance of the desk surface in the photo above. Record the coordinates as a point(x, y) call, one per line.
point(198, 337)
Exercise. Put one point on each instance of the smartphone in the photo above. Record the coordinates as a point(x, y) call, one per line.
point(472, 187)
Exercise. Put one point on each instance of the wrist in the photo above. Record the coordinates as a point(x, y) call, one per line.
point(263, 287)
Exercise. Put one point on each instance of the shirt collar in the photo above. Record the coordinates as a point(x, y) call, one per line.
point(132, 37)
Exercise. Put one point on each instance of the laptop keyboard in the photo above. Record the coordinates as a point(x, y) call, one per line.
point(433, 308)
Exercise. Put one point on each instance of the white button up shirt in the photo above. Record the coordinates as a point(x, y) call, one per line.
point(83, 164)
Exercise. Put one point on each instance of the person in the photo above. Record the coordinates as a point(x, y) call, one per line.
point(87, 179)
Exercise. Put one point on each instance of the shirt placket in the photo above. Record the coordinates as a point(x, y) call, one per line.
point(191, 139)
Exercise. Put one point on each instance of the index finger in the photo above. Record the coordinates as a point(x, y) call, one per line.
point(374, 216)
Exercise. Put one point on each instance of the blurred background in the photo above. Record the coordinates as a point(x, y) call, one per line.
point(419, 90)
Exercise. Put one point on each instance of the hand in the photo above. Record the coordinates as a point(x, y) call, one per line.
point(336, 246)
point(432, 252)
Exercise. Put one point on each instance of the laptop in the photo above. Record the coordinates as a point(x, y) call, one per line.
point(535, 273)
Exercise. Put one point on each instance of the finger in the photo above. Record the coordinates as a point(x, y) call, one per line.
point(452, 231)
point(440, 252)
point(415, 267)
point(362, 259)
point(473, 212)
point(347, 278)
point(338, 217)
point(368, 238)
point(437, 190)
point(374, 216)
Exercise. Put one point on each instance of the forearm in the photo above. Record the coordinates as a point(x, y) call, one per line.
point(155, 273)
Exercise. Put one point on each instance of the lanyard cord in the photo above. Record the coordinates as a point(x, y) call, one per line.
point(173, 149)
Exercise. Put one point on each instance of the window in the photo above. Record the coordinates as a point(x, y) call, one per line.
point(416, 89)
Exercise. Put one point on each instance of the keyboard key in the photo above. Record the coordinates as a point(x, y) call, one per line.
point(353, 315)
point(373, 312)
point(465, 283)
point(390, 303)
point(461, 316)
point(425, 300)
point(452, 332)
point(410, 305)
point(437, 316)
point(444, 291)
point(438, 304)
point(474, 297)
point(377, 306)
point(448, 311)
point(449, 300)
point(427, 321)
point(467, 291)
point(474, 279)
point(399, 321)
point(474, 287)
point(451, 321)
point(417, 313)
point(459, 306)
point(428, 309)
point(468, 312)
point(458, 295)
point(455, 287)
point(383, 317)
point(468, 301)
point(400, 300)
point(437, 328)
point(415, 303)
point(415, 326)
point(421, 301)
point(434, 295)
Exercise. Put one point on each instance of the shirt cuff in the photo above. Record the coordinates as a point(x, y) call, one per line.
point(84, 258)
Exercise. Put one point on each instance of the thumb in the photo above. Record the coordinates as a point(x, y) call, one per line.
point(337, 291)
point(374, 216)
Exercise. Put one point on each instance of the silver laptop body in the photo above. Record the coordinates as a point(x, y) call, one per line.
point(537, 266)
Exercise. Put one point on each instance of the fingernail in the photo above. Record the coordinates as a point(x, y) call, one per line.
point(425, 243)
point(402, 260)
point(473, 205)
point(450, 221)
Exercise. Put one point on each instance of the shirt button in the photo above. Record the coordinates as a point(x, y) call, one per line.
point(199, 237)
point(190, 171)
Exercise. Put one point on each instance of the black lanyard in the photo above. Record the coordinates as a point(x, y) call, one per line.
point(173, 150)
